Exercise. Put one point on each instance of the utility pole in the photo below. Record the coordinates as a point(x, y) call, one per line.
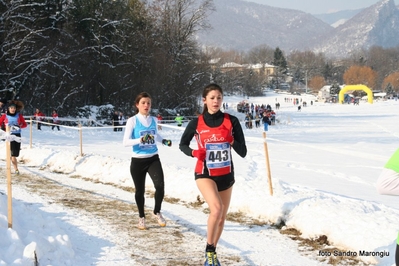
point(306, 81)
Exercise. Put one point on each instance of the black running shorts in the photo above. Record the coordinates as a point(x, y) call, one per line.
point(223, 182)
point(15, 147)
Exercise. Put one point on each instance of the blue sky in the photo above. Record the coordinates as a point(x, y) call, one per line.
point(319, 6)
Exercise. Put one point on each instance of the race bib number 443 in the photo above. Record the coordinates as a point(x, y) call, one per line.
point(218, 155)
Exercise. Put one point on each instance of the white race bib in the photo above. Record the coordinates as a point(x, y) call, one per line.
point(218, 155)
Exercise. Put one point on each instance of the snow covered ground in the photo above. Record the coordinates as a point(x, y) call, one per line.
point(324, 163)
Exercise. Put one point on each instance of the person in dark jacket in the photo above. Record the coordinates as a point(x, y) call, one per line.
point(115, 120)
point(266, 121)
point(121, 121)
point(216, 133)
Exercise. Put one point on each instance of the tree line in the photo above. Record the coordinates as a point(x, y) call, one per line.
point(64, 55)
point(377, 68)
point(58, 54)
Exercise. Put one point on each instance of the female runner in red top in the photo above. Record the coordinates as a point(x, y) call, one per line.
point(216, 133)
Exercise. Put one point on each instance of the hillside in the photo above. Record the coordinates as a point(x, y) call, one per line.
point(243, 25)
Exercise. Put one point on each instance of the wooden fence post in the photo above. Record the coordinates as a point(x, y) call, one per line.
point(9, 188)
point(81, 139)
point(30, 130)
point(269, 176)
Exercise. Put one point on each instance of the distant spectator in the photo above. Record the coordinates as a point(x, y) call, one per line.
point(273, 117)
point(121, 120)
point(266, 121)
point(179, 120)
point(56, 120)
point(39, 116)
point(257, 121)
point(159, 118)
point(115, 120)
point(247, 119)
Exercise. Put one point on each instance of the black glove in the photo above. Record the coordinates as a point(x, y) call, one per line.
point(146, 138)
point(167, 142)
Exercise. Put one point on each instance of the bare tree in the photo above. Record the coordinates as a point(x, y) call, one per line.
point(31, 56)
point(261, 54)
point(360, 75)
point(384, 61)
point(181, 69)
point(391, 83)
point(304, 65)
point(316, 83)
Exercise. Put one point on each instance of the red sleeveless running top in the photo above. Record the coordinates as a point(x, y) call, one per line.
point(218, 149)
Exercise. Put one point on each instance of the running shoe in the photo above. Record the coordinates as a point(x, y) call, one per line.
point(161, 221)
point(210, 259)
point(141, 224)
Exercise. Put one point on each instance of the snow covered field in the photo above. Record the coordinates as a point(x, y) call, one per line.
point(324, 163)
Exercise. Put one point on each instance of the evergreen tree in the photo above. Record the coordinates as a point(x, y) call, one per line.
point(280, 61)
point(335, 89)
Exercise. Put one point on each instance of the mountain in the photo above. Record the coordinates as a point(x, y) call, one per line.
point(337, 18)
point(377, 25)
point(243, 25)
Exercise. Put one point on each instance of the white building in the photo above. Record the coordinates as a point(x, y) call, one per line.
point(324, 94)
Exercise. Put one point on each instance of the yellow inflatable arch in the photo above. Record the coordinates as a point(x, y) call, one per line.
point(356, 88)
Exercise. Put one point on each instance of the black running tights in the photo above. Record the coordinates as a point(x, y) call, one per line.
point(139, 167)
point(397, 255)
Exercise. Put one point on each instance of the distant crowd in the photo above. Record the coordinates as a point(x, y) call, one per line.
point(259, 113)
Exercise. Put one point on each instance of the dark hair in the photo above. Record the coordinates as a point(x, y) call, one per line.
point(18, 104)
point(138, 98)
point(207, 89)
